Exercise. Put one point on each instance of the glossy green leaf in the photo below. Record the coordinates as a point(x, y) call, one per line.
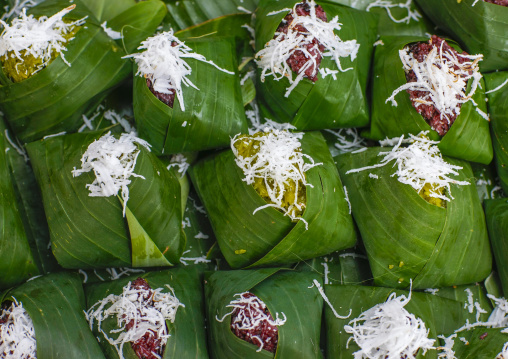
point(496, 211)
point(268, 237)
point(480, 28)
point(89, 232)
point(55, 304)
point(388, 27)
point(328, 103)
point(406, 237)
point(498, 109)
point(482, 343)
point(283, 292)
point(210, 124)
point(485, 177)
point(441, 316)
point(52, 100)
point(188, 338)
point(468, 137)
point(183, 14)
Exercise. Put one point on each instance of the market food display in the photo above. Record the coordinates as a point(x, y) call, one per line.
point(253, 179)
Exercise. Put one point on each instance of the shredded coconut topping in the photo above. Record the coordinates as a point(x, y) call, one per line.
point(40, 38)
point(163, 64)
point(145, 309)
point(254, 117)
point(179, 161)
point(420, 164)
point(16, 8)
point(17, 335)
point(388, 5)
point(272, 59)
point(280, 163)
point(443, 78)
point(389, 331)
point(348, 140)
point(113, 163)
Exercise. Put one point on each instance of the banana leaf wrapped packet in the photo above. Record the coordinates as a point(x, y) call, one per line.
point(264, 313)
point(45, 87)
point(168, 318)
point(313, 62)
point(498, 108)
point(478, 25)
point(45, 318)
point(382, 323)
point(457, 117)
point(24, 241)
point(496, 211)
point(187, 94)
point(419, 216)
point(396, 18)
point(295, 198)
point(126, 213)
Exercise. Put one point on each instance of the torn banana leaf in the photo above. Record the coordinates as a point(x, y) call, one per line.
point(468, 137)
point(90, 232)
point(212, 114)
point(183, 14)
point(498, 109)
point(17, 261)
point(285, 294)
point(440, 315)
point(496, 211)
point(268, 237)
point(479, 29)
point(480, 343)
point(398, 19)
point(327, 103)
point(53, 100)
point(187, 334)
point(55, 303)
point(406, 237)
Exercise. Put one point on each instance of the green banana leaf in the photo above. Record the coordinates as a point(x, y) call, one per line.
point(219, 115)
point(16, 259)
point(188, 338)
point(406, 237)
point(482, 343)
point(345, 267)
point(53, 100)
point(183, 14)
point(468, 137)
point(485, 177)
point(387, 27)
point(441, 315)
point(285, 292)
point(496, 211)
point(89, 232)
point(268, 237)
point(327, 103)
point(55, 303)
point(498, 108)
point(479, 29)
point(493, 286)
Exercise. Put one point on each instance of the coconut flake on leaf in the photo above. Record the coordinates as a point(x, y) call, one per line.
point(272, 59)
point(113, 163)
point(17, 334)
point(389, 331)
point(388, 5)
point(163, 64)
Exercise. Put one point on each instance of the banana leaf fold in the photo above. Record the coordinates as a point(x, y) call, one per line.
point(408, 238)
point(285, 294)
point(213, 113)
point(498, 108)
point(481, 28)
point(55, 303)
point(496, 212)
point(89, 232)
point(187, 333)
point(268, 237)
point(53, 100)
point(328, 103)
point(468, 137)
point(441, 316)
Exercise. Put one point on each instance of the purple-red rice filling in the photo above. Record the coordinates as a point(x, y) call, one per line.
point(498, 2)
point(167, 98)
